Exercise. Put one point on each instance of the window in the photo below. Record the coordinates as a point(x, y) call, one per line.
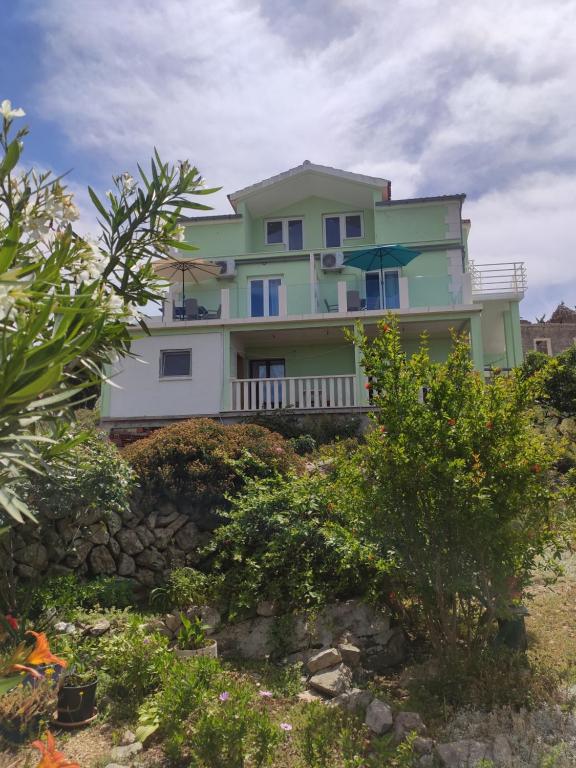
point(383, 290)
point(344, 226)
point(286, 232)
point(264, 297)
point(175, 362)
point(543, 345)
point(268, 395)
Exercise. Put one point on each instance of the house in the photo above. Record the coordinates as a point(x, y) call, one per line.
point(551, 336)
point(265, 330)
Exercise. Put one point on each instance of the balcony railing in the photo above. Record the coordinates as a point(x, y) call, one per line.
point(301, 392)
point(504, 278)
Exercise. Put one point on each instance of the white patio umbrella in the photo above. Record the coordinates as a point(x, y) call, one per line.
point(197, 270)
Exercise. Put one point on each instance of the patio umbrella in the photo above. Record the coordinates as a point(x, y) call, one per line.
point(380, 257)
point(196, 269)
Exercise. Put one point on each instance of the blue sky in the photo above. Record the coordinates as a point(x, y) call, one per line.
point(437, 95)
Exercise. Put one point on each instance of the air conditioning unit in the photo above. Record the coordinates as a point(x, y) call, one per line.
point(332, 261)
point(227, 268)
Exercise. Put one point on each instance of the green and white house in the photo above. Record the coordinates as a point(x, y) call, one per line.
point(267, 331)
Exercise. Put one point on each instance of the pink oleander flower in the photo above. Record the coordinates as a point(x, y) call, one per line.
point(224, 696)
point(266, 694)
point(286, 726)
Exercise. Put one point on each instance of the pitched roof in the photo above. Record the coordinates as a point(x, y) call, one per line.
point(305, 168)
point(432, 199)
point(563, 314)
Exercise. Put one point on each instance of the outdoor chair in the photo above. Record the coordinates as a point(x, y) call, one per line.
point(191, 307)
point(330, 307)
point(212, 314)
point(353, 301)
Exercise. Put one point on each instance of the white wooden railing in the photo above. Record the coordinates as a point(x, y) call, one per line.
point(293, 392)
point(502, 278)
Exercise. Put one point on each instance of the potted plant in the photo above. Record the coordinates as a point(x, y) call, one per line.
point(23, 709)
point(191, 639)
point(77, 696)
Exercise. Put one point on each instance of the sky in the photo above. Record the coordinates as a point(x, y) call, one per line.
point(440, 96)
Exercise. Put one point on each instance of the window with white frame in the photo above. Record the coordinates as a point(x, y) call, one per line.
point(286, 232)
point(343, 226)
point(264, 296)
point(175, 362)
point(543, 345)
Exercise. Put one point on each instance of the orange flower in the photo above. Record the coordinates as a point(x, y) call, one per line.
point(452, 422)
point(367, 385)
point(41, 653)
point(385, 327)
point(489, 425)
point(536, 468)
point(51, 758)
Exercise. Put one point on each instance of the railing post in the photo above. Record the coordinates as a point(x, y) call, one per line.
point(225, 303)
point(282, 301)
point(403, 291)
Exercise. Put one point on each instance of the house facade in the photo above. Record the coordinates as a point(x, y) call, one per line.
point(267, 331)
point(552, 336)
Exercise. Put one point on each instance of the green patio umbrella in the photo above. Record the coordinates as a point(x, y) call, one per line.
point(380, 257)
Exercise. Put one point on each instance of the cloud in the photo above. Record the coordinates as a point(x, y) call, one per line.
point(439, 96)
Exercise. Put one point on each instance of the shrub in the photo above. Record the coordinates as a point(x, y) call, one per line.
point(94, 476)
point(66, 595)
point(321, 428)
point(456, 485)
point(184, 587)
point(287, 542)
point(203, 461)
point(558, 375)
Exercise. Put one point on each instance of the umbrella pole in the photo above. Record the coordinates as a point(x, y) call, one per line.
point(183, 298)
point(381, 285)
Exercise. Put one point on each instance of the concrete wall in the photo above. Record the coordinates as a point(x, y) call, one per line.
point(144, 394)
point(561, 335)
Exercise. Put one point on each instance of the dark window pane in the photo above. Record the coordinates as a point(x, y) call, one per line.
point(295, 242)
point(332, 225)
point(273, 231)
point(176, 363)
point(391, 290)
point(257, 298)
point(373, 290)
point(354, 226)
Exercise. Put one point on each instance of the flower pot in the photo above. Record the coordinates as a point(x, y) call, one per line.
point(210, 650)
point(77, 703)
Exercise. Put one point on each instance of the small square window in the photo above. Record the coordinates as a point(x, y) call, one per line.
point(175, 362)
point(274, 232)
point(354, 226)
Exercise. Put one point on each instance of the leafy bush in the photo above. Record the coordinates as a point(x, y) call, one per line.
point(203, 461)
point(303, 444)
point(287, 542)
point(94, 476)
point(456, 485)
point(558, 375)
point(321, 428)
point(66, 595)
point(184, 587)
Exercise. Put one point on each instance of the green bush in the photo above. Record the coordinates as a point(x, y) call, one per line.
point(185, 587)
point(94, 476)
point(558, 375)
point(457, 486)
point(66, 595)
point(287, 542)
point(203, 461)
point(322, 428)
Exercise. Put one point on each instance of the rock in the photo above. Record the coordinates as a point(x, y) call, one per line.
point(26, 571)
point(34, 555)
point(267, 608)
point(426, 761)
point(126, 752)
point(55, 545)
point(114, 547)
point(66, 530)
point(355, 700)
point(187, 537)
point(65, 627)
point(332, 682)
point(405, 723)
point(101, 561)
point(336, 620)
point(127, 738)
point(97, 533)
point(462, 754)
point(309, 696)
point(329, 657)
point(154, 625)
point(423, 746)
point(151, 520)
point(78, 554)
point(501, 750)
point(379, 717)
point(166, 517)
point(144, 534)
point(151, 559)
point(163, 537)
point(114, 765)
point(379, 658)
point(126, 565)
point(114, 523)
point(145, 577)
point(175, 557)
point(178, 523)
point(210, 616)
point(173, 621)
point(350, 654)
point(98, 629)
point(129, 542)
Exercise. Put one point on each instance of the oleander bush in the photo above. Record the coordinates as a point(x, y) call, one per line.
point(205, 461)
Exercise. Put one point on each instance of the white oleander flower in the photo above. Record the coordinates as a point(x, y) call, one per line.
point(179, 233)
point(128, 183)
point(7, 302)
point(8, 113)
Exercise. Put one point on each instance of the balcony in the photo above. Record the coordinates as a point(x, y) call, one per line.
point(494, 281)
point(297, 392)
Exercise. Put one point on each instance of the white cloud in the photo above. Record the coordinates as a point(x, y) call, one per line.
point(439, 96)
